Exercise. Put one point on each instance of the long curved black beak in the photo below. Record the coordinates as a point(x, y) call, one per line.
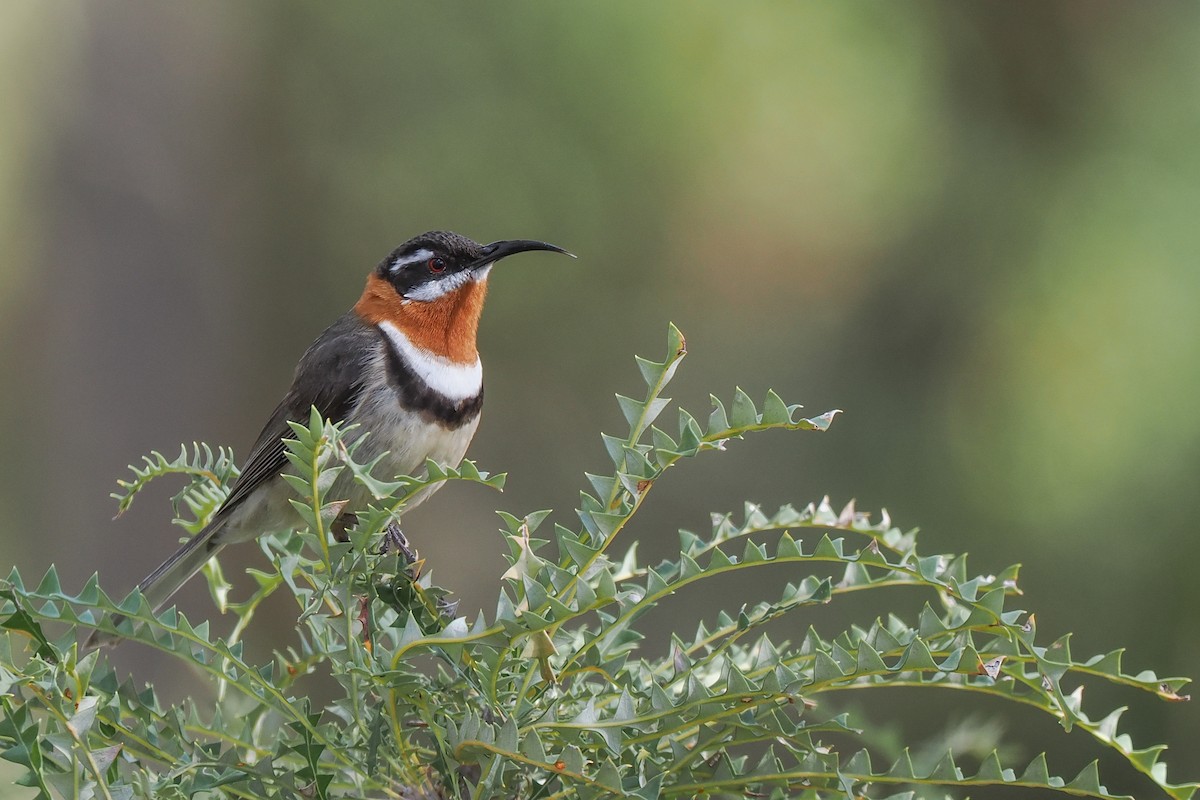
point(497, 250)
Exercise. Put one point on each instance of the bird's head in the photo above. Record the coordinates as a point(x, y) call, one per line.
point(432, 289)
point(434, 265)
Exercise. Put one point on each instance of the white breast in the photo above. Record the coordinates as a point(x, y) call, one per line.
point(407, 436)
point(455, 381)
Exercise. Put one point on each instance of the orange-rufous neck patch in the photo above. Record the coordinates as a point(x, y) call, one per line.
point(444, 327)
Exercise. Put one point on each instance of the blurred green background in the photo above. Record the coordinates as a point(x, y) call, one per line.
point(972, 226)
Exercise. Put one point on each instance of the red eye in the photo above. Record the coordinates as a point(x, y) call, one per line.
point(437, 264)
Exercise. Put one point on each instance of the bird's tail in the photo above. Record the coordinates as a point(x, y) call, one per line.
point(161, 585)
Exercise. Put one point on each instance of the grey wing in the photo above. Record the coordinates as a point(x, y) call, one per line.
point(329, 376)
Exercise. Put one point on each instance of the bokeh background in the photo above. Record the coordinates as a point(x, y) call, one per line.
point(973, 227)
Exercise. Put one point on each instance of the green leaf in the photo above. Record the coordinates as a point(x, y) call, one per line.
point(22, 621)
point(718, 421)
point(743, 414)
point(775, 411)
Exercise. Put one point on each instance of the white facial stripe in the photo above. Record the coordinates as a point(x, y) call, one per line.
point(454, 381)
point(433, 289)
point(401, 263)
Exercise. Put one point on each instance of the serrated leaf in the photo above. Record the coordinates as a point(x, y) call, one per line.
point(718, 421)
point(742, 414)
point(775, 411)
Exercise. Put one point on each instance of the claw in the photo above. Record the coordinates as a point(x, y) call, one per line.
point(394, 539)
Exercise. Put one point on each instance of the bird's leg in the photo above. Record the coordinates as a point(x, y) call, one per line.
point(394, 539)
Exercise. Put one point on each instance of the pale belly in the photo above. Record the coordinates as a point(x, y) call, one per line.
point(409, 441)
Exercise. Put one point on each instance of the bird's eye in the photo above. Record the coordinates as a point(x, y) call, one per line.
point(437, 264)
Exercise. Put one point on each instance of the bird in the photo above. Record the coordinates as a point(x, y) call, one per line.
point(401, 365)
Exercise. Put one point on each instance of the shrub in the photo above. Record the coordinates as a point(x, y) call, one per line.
point(548, 696)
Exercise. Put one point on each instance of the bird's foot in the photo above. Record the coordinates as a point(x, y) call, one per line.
point(447, 608)
point(395, 540)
